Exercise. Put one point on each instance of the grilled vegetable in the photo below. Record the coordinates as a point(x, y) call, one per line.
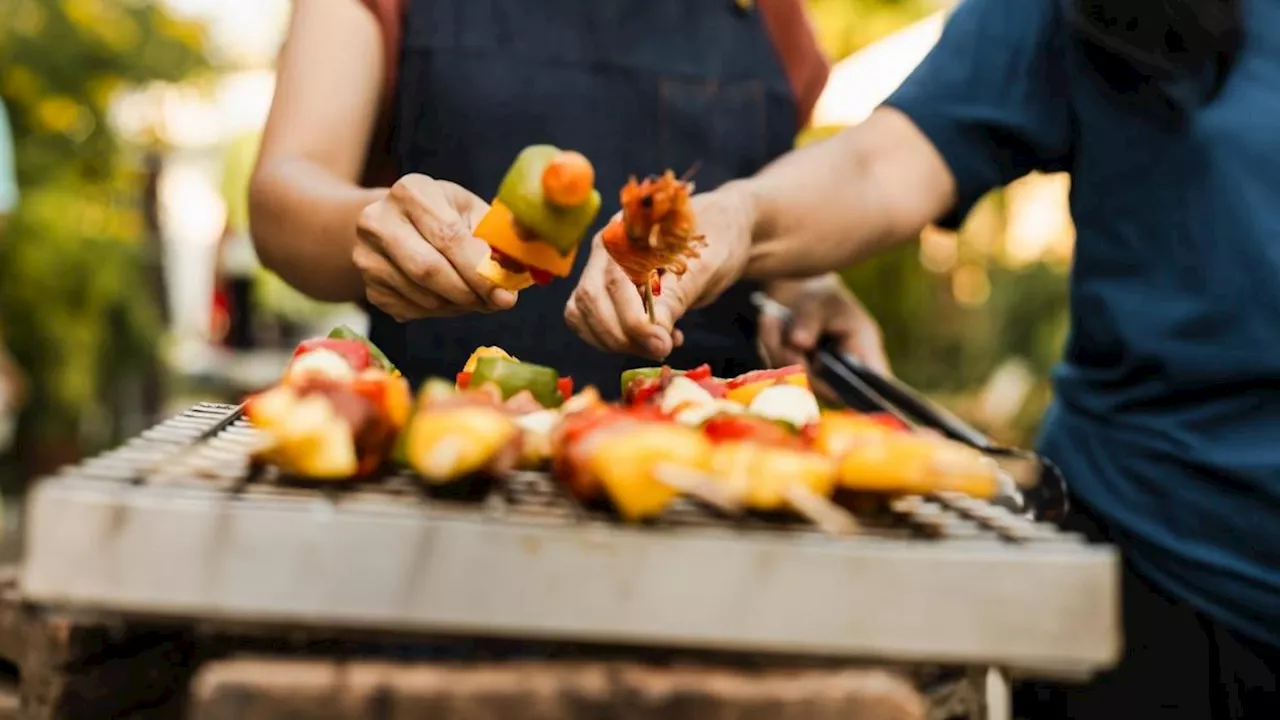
point(629, 463)
point(378, 358)
point(873, 456)
point(786, 403)
point(745, 387)
point(324, 429)
point(446, 444)
point(642, 385)
point(763, 474)
point(512, 377)
point(636, 459)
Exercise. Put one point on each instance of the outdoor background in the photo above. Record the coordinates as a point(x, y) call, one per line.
point(136, 125)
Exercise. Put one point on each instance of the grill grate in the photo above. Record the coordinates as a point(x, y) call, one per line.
point(208, 448)
point(179, 523)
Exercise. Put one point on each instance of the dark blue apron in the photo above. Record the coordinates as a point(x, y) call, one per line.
point(638, 86)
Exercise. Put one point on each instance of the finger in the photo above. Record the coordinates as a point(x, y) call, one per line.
point(640, 336)
point(595, 297)
point(393, 235)
point(868, 345)
point(574, 319)
point(807, 322)
point(377, 269)
point(430, 209)
point(769, 334)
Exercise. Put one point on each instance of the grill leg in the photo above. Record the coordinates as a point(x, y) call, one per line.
point(998, 695)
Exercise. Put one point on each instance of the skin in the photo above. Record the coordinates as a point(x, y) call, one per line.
point(825, 206)
point(409, 249)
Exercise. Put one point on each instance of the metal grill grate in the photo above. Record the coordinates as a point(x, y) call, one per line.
point(208, 448)
point(177, 522)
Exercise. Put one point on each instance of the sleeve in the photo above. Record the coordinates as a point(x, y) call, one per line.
point(992, 96)
point(8, 173)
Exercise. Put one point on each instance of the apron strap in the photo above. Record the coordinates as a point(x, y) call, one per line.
point(380, 166)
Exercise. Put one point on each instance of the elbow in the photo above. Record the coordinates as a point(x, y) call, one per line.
point(262, 212)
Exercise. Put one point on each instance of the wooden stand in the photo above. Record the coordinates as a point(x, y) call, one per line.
point(250, 689)
point(55, 666)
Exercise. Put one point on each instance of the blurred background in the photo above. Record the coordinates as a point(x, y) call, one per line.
point(129, 287)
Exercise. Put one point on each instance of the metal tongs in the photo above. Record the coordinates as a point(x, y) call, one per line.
point(1039, 488)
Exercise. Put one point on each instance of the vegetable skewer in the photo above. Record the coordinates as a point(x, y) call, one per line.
point(654, 234)
point(545, 204)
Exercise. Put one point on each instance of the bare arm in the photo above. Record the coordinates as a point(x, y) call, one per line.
point(304, 197)
point(834, 203)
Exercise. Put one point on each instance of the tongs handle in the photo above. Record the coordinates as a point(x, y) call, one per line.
point(848, 376)
point(863, 389)
point(1043, 488)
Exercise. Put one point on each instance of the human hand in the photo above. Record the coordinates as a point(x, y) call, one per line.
point(417, 255)
point(606, 308)
point(820, 307)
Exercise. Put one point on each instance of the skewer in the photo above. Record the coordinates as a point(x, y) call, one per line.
point(826, 515)
point(700, 486)
point(647, 297)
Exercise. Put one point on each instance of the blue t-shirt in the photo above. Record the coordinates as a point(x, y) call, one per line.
point(1167, 412)
point(8, 177)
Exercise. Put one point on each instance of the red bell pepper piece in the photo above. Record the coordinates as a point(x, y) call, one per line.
point(756, 376)
point(463, 380)
point(356, 353)
point(725, 428)
point(565, 384)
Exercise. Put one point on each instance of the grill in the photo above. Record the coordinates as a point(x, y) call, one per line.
point(177, 524)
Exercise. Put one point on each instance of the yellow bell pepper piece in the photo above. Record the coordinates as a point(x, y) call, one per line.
point(625, 462)
point(446, 445)
point(761, 474)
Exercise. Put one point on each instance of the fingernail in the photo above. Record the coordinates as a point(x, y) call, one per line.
point(502, 298)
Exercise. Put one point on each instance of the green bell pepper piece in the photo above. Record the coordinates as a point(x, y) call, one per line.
point(521, 192)
point(432, 389)
point(343, 332)
point(630, 376)
point(513, 376)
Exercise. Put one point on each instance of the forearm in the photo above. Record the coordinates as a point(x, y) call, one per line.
point(831, 204)
point(304, 226)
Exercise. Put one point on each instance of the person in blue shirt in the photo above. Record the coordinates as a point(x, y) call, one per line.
point(1167, 412)
point(12, 379)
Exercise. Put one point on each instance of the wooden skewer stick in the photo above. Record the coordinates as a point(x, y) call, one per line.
point(700, 486)
point(648, 301)
point(828, 516)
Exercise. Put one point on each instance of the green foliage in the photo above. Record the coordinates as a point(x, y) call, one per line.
point(73, 257)
point(846, 26)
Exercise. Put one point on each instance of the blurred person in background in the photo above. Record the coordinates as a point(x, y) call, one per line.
point(12, 380)
point(1167, 413)
point(449, 91)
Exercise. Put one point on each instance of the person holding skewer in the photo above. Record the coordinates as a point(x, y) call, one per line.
point(383, 198)
point(1167, 407)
